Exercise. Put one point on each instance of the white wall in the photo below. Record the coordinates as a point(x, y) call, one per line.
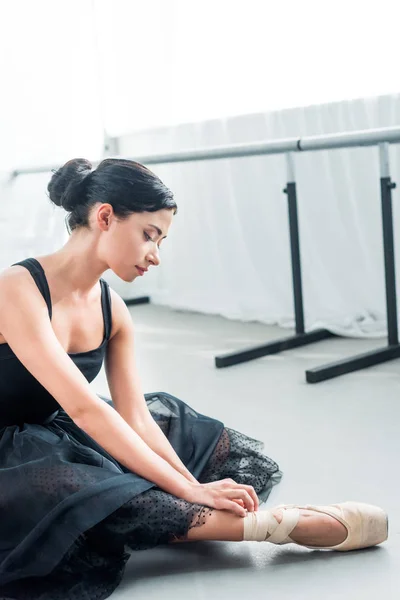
point(49, 106)
point(69, 70)
point(49, 112)
point(228, 250)
point(166, 62)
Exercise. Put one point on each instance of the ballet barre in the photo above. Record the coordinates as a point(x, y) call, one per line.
point(382, 138)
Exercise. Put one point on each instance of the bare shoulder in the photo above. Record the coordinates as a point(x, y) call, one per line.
point(18, 289)
point(13, 279)
point(18, 272)
point(25, 324)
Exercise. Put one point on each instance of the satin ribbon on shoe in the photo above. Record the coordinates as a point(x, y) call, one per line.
point(261, 526)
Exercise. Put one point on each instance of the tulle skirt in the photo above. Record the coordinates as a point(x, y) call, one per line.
point(71, 515)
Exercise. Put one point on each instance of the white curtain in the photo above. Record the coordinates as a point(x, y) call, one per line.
point(71, 70)
point(30, 225)
point(228, 251)
point(50, 111)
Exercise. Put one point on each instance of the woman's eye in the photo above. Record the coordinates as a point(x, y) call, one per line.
point(149, 239)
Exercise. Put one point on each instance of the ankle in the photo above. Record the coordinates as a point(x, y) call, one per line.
point(317, 529)
point(278, 514)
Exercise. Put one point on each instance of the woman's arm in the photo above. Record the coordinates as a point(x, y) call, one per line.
point(155, 439)
point(112, 432)
point(152, 434)
point(25, 324)
point(126, 389)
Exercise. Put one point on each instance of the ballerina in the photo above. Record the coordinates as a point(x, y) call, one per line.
point(85, 479)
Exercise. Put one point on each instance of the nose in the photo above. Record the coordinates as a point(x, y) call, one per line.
point(154, 257)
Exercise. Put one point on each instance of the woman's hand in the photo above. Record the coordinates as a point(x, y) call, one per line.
point(225, 494)
point(217, 484)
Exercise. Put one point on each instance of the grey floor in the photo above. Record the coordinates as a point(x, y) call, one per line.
point(334, 441)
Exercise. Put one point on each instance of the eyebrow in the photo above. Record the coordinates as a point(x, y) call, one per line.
point(157, 229)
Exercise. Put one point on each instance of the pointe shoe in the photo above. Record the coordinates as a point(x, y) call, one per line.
point(366, 525)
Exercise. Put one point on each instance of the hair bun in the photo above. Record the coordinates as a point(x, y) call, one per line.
point(66, 187)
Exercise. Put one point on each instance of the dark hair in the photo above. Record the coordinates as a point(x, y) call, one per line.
point(125, 184)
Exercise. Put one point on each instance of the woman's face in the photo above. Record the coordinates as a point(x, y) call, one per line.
point(132, 245)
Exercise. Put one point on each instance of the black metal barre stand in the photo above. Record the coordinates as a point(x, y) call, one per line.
point(392, 350)
point(361, 361)
point(301, 338)
point(139, 300)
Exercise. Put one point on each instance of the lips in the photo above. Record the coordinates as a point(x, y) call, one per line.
point(141, 271)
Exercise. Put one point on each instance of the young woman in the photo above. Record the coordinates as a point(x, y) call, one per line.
point(85, 480)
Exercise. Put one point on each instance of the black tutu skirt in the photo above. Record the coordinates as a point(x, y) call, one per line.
point(71, 515)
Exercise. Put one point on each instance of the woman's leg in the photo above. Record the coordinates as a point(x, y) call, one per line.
point(313, 529)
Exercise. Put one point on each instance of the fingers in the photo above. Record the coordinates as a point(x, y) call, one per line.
point(243, 512)
point(253, 494)
point(229, 484)
point(240, 502)
point(235, 508)
point(242, 495)
point(249, 489)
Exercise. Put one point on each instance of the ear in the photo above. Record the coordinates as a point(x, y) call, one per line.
point(104, 219)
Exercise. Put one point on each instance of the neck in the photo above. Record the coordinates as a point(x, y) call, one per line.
point(76, 267)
